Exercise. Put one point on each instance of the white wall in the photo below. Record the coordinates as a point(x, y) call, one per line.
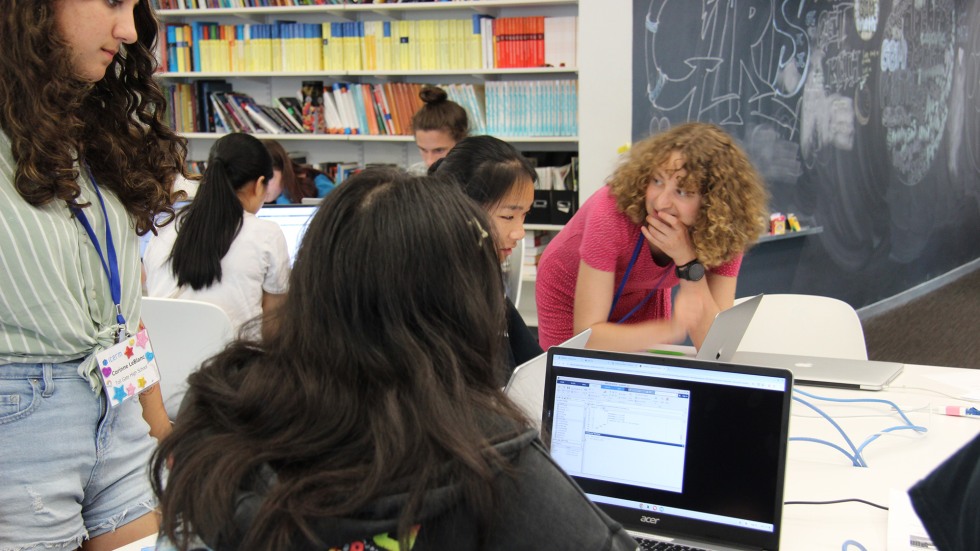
point(605, 75)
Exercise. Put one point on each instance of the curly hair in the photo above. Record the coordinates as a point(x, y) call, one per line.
point(54, 119)
point(734, 200)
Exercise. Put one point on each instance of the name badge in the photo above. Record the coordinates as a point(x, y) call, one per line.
point(128, 368)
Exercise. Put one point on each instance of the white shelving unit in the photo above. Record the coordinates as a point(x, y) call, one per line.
point(265, 86)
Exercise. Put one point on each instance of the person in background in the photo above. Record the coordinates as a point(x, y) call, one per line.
point(217, 250)
point(84, 145)
point(437, 126)
point(372, 419)
point(501, 180)
point(680, 209)
point(292, 182)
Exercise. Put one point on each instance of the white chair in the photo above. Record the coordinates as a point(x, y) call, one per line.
point(514, 272)
point(805, 325)
point(183, 333)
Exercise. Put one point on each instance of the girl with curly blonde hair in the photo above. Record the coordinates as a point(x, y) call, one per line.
point(681, 209)
point(86, 163)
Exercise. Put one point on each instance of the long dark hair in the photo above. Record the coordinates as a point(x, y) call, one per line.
point(298, 181)
point(207, 227)
point(379, 377)
point(486, 168)
point(438, 112)
point(116, 125)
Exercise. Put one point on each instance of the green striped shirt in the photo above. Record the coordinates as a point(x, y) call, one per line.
point(55, 303)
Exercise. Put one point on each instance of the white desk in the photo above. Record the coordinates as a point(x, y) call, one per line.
point(898, 460)
point(816, 472)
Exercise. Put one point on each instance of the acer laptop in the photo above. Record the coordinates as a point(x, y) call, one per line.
point(729, 326)
point(675, 449)
point(293, 220)
point(526, 385)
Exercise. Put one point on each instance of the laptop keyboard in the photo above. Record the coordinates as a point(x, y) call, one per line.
point(656, 545)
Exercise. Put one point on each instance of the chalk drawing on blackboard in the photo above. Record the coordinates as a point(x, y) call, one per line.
point(866, 18)
point(827, 119)
point(916, 78)
point(836, 96)
point(715, 74)
point(740, 65)
point(965, 107)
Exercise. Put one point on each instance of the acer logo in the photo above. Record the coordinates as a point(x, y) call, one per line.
point(649, 520)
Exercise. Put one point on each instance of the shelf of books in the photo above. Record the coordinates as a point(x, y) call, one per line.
point(176, 8)
point(527, 110)
point(321, 75)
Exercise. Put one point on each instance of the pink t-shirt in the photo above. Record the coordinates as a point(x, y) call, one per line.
point(605, 239)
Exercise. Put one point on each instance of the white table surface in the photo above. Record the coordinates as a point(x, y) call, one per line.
point(896, 460)
point(816, 472)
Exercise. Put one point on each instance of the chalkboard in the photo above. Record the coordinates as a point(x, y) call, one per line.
point(863, 117)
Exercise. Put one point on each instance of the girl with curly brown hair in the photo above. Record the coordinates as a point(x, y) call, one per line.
point(86, 163)
point(681, 209)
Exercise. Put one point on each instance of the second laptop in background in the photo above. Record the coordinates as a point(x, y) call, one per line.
point(729, 326)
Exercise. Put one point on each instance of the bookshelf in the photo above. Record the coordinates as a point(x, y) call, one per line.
point(486, 7)
point(267, 85)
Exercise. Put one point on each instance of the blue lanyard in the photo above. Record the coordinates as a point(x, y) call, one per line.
point(622, 284)
point(111, 266)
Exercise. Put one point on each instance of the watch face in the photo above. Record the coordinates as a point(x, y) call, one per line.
point(695, 271)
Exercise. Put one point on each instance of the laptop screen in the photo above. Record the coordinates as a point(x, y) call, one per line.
point(672, 445)
point(293, 220)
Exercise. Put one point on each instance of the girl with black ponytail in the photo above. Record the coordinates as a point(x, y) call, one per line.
point(217, 251)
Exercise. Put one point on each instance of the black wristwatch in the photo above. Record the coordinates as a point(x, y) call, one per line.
point(692, 271)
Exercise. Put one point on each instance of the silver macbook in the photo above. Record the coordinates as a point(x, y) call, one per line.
point(675, 449)
point(727, 330)
point(831, 372)
point(729, 326)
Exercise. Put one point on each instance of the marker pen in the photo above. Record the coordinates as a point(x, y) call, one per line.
point(958, 411)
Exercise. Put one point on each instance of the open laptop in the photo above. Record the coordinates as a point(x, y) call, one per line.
point(526, 385)
point(293, 220)
point(673, 448)
point(729, 326)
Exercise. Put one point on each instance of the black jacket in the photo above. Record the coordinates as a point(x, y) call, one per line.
point(539, 507)
point(522, 344)
point(948, 501)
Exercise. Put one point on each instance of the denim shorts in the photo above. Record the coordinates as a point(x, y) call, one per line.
point(69, 469)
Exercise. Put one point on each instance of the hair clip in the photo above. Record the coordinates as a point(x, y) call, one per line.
point(483, 233)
